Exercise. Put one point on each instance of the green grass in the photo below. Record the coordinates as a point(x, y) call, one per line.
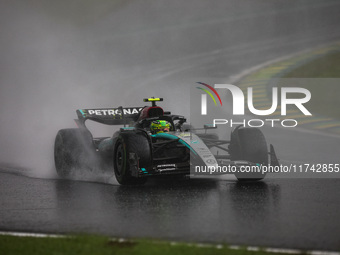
point(325, 99)
point(93, 245)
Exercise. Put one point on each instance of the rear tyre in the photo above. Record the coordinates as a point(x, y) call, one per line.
point(249, 144)
point(126, 145)
point(73, 148)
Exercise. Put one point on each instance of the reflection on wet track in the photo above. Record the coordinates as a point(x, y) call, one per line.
point(280, 213)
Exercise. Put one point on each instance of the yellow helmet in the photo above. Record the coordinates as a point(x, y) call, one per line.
point(160, 126)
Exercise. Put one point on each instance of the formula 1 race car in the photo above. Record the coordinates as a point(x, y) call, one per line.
point(152, 142)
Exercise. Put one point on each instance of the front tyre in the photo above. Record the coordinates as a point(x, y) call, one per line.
point(249, 144)
point(128, 144)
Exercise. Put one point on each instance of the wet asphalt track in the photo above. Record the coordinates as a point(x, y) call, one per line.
point(276, 213)
point(203, 44)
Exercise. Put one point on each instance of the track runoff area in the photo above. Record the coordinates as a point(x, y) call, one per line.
point(39, 243)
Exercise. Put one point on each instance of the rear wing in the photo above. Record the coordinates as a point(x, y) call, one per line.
point(109, 116)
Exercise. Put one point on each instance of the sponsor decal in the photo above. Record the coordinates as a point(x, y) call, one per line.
point(211, 161)
point(202, 149)
point(166, 165)
point(185, 134)
point(113, 112)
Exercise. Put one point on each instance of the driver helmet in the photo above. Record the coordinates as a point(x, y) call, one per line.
point(160, 126)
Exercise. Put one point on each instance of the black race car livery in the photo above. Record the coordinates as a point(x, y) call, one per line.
point(134, 153)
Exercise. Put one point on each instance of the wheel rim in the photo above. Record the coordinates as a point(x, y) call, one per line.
point(119, 160)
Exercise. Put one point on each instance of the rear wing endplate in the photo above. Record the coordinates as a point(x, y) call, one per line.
point(109, 116)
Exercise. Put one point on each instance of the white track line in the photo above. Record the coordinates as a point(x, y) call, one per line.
point(238, 77)
point(23, 234)
point(199, 245)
